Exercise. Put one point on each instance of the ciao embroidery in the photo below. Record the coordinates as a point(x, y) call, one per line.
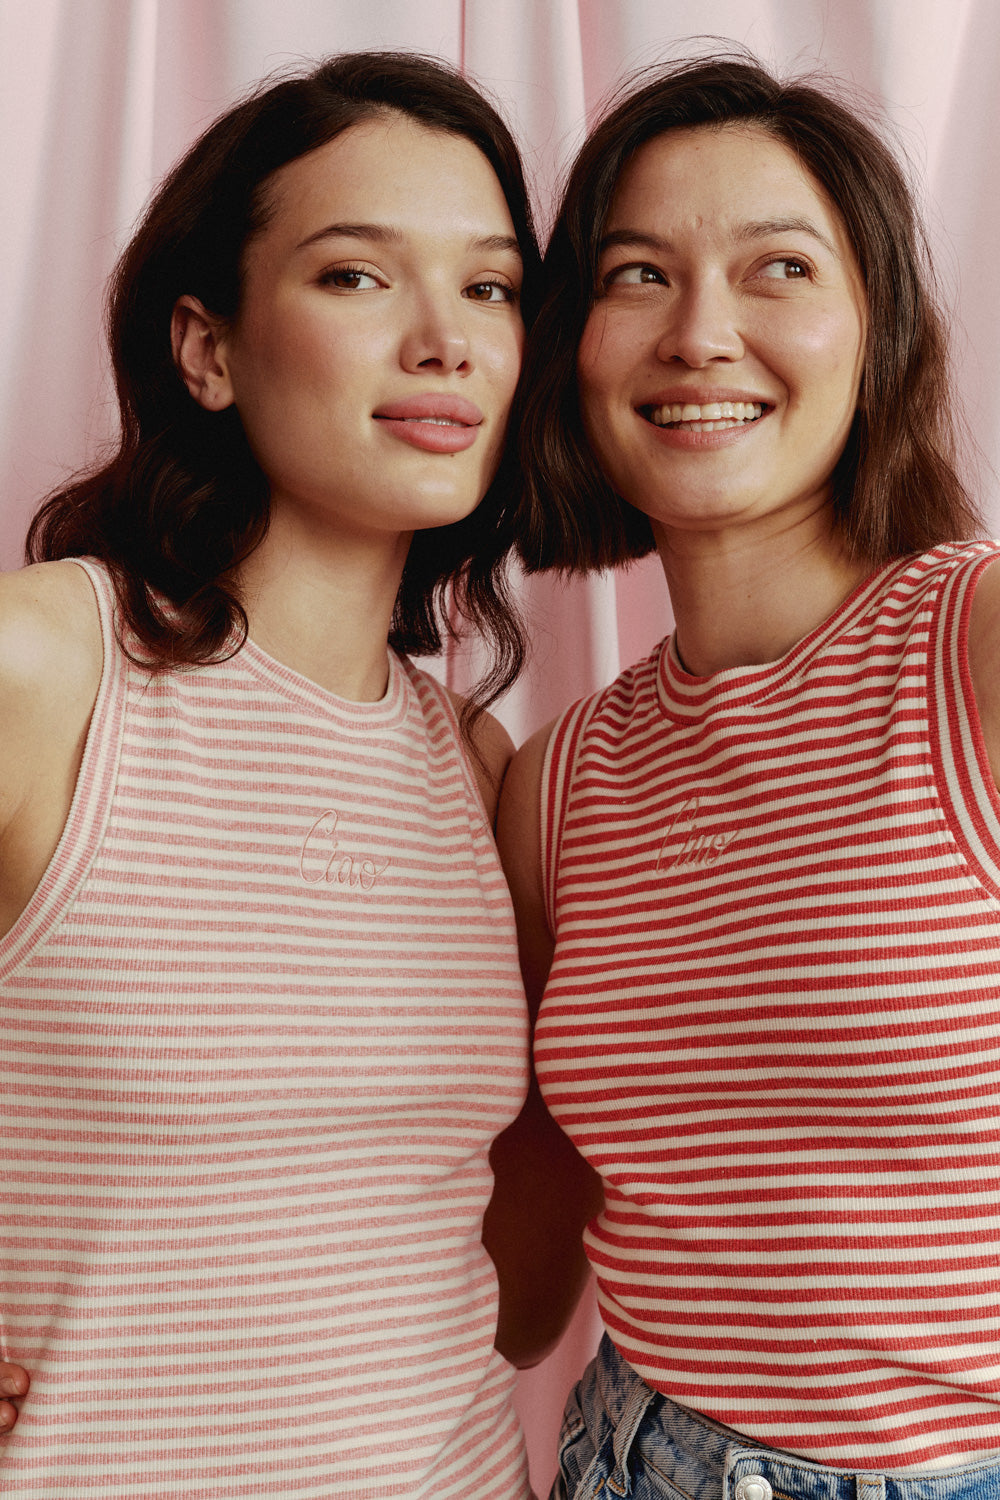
point(687, 844)
point(324, 859)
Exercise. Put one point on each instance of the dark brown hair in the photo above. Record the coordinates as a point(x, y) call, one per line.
point(895, 487)
point(182, 501)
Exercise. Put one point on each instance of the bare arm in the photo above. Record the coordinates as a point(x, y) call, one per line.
point(50, 670)
point(50, 667)
point(488, 749)
point(544, 1192)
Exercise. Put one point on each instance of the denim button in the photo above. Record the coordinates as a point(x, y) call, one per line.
point(753, 1487)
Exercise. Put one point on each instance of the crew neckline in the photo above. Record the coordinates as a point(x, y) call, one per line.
point(382, 713)
point(385, 712)
point(685, 696)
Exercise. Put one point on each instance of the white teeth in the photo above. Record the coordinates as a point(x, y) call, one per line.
point(708, 417)
point(435, 421)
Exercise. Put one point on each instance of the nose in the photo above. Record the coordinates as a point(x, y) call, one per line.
point(702, 326)
point(436, 339)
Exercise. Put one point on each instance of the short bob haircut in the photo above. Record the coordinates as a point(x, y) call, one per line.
point(895, 488)
point(182, 502)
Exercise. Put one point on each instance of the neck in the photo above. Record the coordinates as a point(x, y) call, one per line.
point(323, 606)
point(743, 600)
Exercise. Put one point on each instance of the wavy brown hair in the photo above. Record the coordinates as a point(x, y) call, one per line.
point(182, 502)
point(896, 489)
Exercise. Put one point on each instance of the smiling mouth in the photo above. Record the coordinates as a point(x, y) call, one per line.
point(714, 416)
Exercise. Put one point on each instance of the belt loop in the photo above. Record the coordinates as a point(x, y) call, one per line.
point(869, 1486)
point(639, 1398)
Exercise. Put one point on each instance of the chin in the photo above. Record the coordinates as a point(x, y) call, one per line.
point(442, 511)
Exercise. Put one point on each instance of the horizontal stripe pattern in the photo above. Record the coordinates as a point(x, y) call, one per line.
point(773, 1024)
point(260, 1025)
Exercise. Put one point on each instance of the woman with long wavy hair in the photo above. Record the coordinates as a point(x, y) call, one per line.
point(262, 1017)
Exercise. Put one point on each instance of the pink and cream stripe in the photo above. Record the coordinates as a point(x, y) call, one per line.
point(260, 1024)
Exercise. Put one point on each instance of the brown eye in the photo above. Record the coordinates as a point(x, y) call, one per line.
point(348, 279)
point(635, 275)
point(786, 269)
point(490, 291)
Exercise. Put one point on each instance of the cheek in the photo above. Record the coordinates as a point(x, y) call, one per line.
point(504, 361)
point(830, 351)
point(592, 355)
point(266, 365)
point(599, 373)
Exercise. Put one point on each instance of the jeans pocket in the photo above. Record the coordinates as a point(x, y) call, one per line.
point(649, 1482)
point(573, 1442)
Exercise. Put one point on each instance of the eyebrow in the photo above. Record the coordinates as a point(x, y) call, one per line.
point(760, 229)
point(385, 234)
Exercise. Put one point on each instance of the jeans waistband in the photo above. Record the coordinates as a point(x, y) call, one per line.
point(720, 1462)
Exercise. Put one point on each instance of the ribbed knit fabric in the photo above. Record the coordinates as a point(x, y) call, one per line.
point(773, 1024)
point(258, 1027)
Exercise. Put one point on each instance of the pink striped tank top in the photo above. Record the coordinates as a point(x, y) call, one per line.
point(773, 1025)
point(259, 1026)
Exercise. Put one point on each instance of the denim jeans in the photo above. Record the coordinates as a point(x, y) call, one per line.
point(619, 1438)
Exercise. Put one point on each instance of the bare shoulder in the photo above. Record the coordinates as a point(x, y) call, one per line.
point(51, 657)
point(48, 622)
point(50, 663)
point(489, 748)
point(984, 660)
point(525, 774)
point(518, 824)
point(519, 840)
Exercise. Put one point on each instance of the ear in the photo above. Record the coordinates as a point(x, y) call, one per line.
point(197, 338)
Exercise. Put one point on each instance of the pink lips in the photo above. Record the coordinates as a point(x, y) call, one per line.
point(435, 423)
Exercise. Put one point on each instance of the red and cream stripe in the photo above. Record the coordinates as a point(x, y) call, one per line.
point(773, 1024)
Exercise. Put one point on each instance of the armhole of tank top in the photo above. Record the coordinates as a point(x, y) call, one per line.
point(429, 689)
point(965, 783)
point(91, 802)
point(558, 768)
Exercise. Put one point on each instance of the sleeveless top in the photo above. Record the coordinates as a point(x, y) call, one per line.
point(259, 1026)
point(773, 1025)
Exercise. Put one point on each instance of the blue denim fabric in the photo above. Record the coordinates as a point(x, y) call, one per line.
point(619, 1438)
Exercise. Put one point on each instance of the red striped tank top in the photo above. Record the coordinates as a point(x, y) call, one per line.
point(773, 1025)
point(258, 1028)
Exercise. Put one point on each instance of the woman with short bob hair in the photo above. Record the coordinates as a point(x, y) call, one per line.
point(261, 1011)
point(758, 877)
point(896, 489)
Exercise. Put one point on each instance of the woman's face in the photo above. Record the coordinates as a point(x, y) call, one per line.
point(378, 341)
point(720, 365)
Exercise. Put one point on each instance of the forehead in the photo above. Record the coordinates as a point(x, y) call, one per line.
point(388, 169)
point(717, 179)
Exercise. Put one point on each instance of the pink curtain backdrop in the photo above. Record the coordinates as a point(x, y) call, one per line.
point(98, 97)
